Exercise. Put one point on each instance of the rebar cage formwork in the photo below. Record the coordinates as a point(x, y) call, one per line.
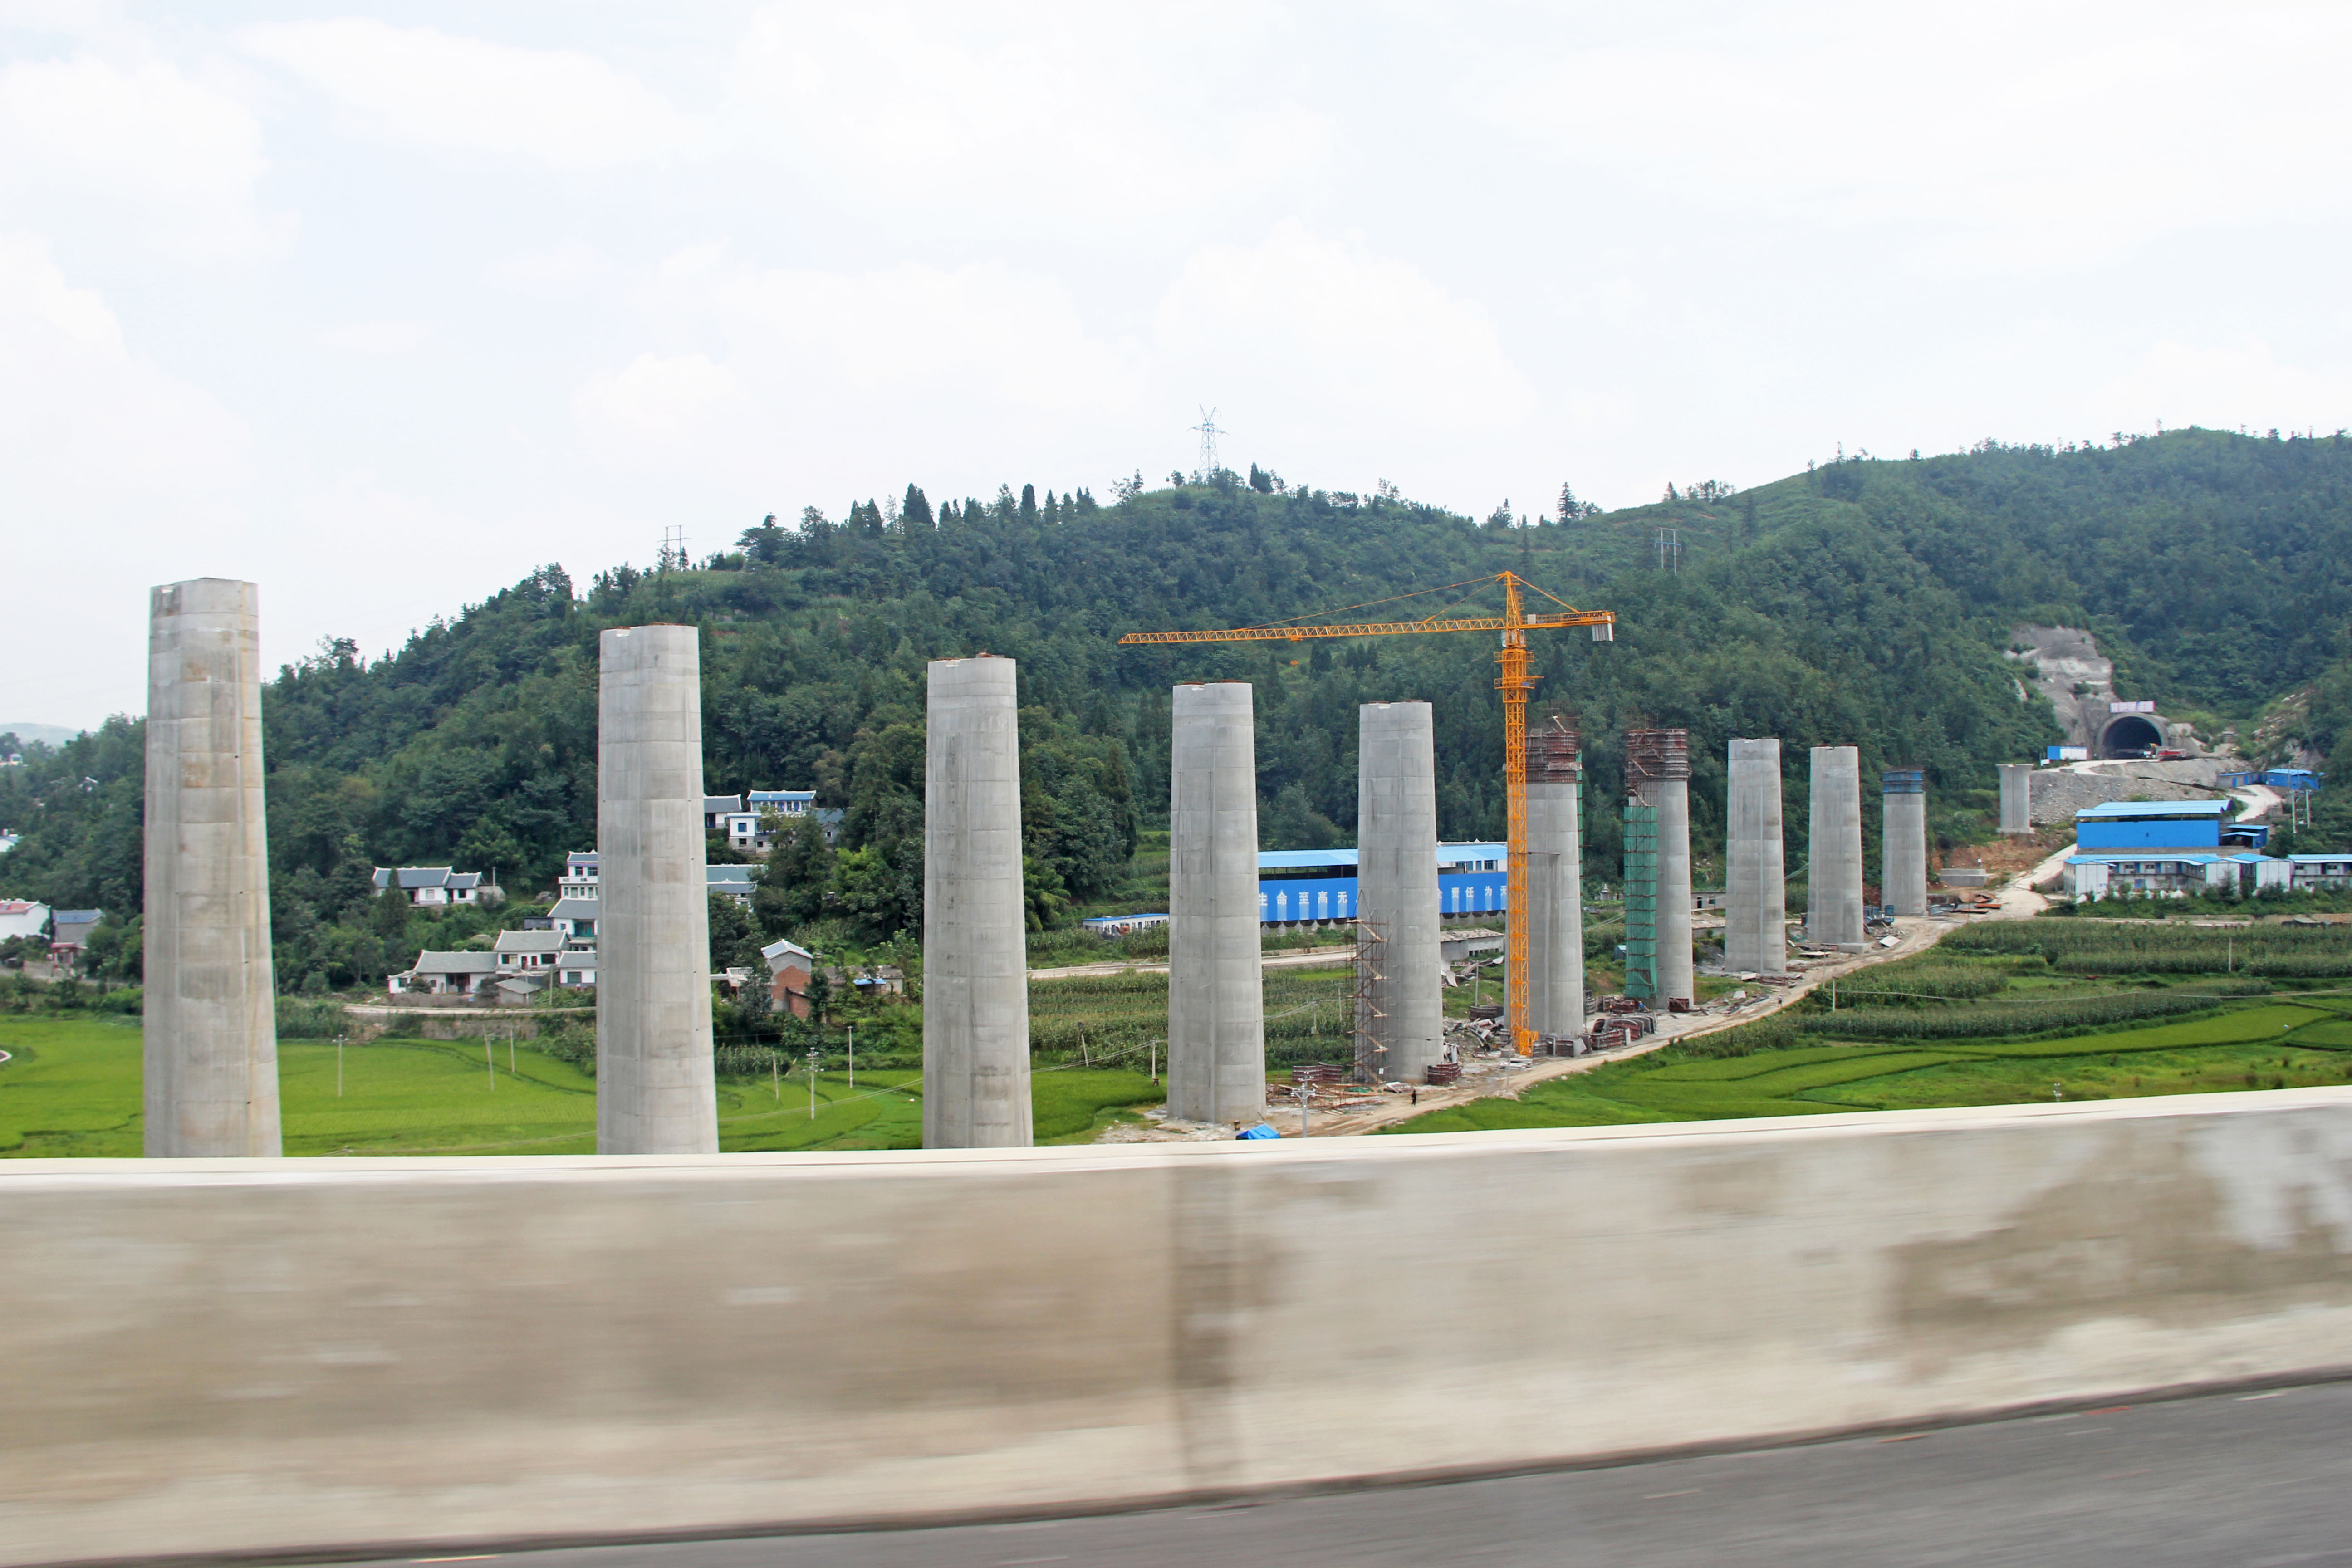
point(1553, 755)
point(1655, 754)
point(1640, 901)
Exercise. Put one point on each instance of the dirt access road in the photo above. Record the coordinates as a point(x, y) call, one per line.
point(1295, 958)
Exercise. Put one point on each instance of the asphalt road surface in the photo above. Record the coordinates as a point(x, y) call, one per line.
point(2247, 1480)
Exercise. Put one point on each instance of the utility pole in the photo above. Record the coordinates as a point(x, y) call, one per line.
point(811, 1061)
point(339, 1066)
point(853, 1056)
point(489, 1063)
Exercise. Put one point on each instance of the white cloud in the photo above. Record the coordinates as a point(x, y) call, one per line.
point(372, 337)
point(2224, 385)
point(1331, 333)
point(1335, 354)
point(86, 142)
point(82, 416)
point(656, 401)
point(420, 87)
point(982, 332)
point(1036, 114)
point(572, 268)
point(114, 470)
point(2011, 137)
point(818, 380)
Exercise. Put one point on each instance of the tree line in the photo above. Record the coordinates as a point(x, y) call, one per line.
point(1867, 602)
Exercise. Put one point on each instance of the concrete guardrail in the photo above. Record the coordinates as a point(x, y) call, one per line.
point(240, 1356)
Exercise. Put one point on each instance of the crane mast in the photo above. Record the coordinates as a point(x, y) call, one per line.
point(1516, 678)
point(1513, 683)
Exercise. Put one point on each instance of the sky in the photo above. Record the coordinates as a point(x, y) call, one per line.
point(383, 310)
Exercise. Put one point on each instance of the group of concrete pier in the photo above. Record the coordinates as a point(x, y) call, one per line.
point(211, 1045)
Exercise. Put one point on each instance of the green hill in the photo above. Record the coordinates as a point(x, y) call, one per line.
point(1868, 602)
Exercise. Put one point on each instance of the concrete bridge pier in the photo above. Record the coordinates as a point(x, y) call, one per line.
point(210, 1022)
point(1833, 875)
point(655, 1088)
point(1756, 922)
point(1400, 1024)
point(1555, 882)
point(1903, 844)
point(2016, 797)
point(975, 912)
point(1657, 767)
point(1216, 986)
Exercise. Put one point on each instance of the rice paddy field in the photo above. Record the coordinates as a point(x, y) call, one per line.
point(71, 1087)
point(1996, 1014)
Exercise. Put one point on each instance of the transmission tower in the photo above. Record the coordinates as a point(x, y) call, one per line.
point(1208, 431)
point(673, 549)
point(1670, 549)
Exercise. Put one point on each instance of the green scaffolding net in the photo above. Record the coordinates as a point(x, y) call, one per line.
point(1642, 901)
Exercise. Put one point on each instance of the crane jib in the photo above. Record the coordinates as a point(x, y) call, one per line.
point(1376, 628)
point(1516, 679)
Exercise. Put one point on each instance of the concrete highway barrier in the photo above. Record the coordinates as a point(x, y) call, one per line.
point(235, 1356)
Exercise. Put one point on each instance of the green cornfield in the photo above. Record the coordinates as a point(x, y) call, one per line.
point(2098, 947)
point(1997, 1020)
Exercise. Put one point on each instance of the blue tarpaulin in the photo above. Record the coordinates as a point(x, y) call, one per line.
point(1260, 1131)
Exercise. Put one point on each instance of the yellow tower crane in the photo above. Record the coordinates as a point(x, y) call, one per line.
point(1517, 679)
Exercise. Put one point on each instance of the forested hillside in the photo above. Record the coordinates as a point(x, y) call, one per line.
point(1868, 602)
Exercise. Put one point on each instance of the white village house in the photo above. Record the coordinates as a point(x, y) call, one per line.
point(447, 975)
point(436, 885)
point(561, 947)
point(22, 917)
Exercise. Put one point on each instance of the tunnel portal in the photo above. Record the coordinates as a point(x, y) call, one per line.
point(2130, 735)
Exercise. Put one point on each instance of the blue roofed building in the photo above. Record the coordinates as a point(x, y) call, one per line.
point(1318, 887)
point(2321, 870)
point(2192, 826)
point(2171, 874)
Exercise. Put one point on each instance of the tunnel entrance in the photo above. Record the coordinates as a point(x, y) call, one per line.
point(2128, 735)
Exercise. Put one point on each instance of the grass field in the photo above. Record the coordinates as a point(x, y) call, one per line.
point(72, 1088)
point(2272, 1045)
point(1946, 1028)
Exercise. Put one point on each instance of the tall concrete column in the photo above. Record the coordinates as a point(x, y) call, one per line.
point(1834, 851)
point(1216, 986)
point(2016, 797)
point(975, 925)
point(1657, 766)
point(210, 1016)
point(1399, 1026)
point(1755, 923)
point(655, 1089)
point(1903, 843)
point(1554, 883)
